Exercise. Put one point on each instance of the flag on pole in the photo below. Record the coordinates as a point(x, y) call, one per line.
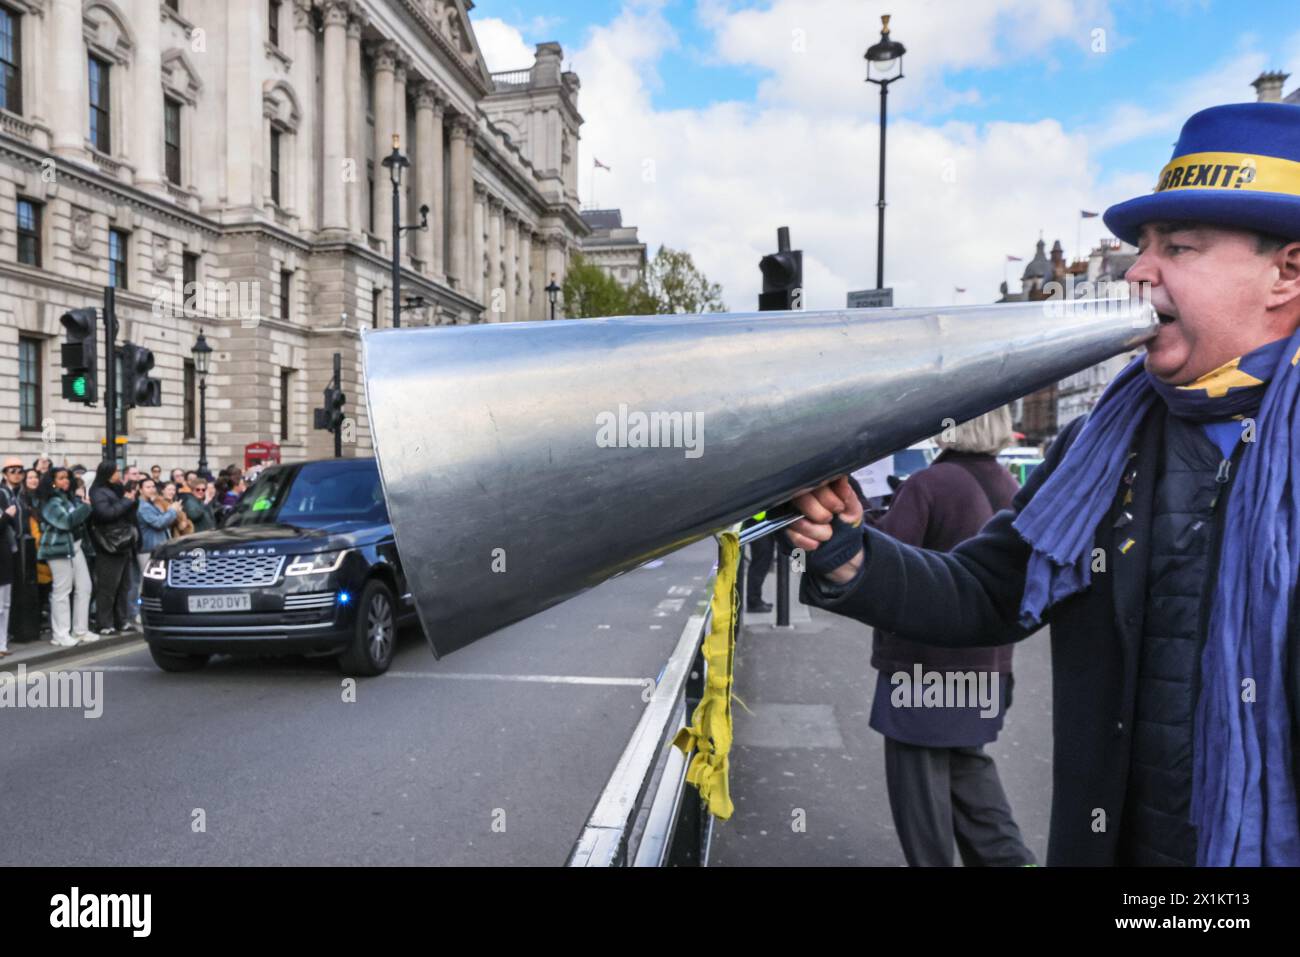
point(1014, 259)
point(1087, 215)
point(599, 165)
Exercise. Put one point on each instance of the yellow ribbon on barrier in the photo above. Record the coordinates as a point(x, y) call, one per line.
point(710, 732)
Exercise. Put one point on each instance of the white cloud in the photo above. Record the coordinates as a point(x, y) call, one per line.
point(503, 45)
point(718, 180)
point(814, 48)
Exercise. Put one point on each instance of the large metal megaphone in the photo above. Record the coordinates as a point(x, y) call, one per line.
point(526, 462)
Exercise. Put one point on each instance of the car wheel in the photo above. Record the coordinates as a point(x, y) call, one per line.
point(174, 661)
point(375, 632)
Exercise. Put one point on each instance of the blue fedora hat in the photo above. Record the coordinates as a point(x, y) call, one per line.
point(1236, 165)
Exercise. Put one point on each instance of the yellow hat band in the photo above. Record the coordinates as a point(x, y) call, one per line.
point(1231, 171)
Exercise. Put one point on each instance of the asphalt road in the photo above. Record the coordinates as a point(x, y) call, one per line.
point(493, 755)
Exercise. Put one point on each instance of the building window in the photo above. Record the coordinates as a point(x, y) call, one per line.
point(273, 21)
point(172, 139)
point(370, 199)
point(189, 273)
point(286, 393)
point(29, 384)
point(99, 109)
point(29, 232)
point(376, 306)
point(286, 292)
point(117, 258)
point(275, 166)
point(11, 61)
point(187, 411)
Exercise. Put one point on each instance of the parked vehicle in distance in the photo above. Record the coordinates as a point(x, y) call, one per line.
point(1020, 461)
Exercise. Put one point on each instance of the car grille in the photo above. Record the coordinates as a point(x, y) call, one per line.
point(150, 604)
point(320, 599)
point(224, 571)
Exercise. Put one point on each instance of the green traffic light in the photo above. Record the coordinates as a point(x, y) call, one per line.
point(79, 386)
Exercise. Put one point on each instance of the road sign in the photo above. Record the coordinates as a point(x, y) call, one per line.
point(871, 298)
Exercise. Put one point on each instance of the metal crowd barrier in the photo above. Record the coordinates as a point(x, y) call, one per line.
point(647, 815)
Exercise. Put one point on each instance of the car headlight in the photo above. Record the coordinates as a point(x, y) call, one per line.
point(317, 563)
point(156, 569)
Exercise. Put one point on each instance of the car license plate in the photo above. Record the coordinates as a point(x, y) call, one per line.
point(220, 602)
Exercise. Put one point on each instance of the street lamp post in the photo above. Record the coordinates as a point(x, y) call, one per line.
point(552, 291)
point(884, 66)
point(396, 162)
point(202, 353)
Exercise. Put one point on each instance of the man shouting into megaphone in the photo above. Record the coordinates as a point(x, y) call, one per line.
point(1160, 538)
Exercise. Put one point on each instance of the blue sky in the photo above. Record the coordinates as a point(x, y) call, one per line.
point(980, 73)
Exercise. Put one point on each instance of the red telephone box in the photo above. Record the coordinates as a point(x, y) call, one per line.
point(261, 453)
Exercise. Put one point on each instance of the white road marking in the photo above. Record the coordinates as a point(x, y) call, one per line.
point(448, 675)
point(681, 590)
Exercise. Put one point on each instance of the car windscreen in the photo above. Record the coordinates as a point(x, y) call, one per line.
point(318, 493)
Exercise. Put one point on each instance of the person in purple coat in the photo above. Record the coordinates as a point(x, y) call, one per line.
point(942, 784)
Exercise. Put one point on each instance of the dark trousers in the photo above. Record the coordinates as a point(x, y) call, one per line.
point(760, 563)
point(111, 586)
point(939, 795)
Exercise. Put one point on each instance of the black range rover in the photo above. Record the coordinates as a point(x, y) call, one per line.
point(306, 564)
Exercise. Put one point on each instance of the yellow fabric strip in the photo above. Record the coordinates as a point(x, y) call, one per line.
point(710, 732)
point(1230, 171)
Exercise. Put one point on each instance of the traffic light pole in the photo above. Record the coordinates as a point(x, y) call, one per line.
point(110, 375)
point(338, 384)
point(782, 290)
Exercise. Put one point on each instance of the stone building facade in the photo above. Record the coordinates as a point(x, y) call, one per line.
point(220, 164)
point(614, 247)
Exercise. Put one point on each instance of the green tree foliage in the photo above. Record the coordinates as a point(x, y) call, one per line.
point(589, 292)
point(672, 284)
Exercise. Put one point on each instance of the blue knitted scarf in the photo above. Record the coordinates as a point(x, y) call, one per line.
point(1244, 804)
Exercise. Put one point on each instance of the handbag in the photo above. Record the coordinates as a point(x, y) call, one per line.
point(116, 538)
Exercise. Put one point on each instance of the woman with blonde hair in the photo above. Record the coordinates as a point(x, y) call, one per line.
point(942, 785)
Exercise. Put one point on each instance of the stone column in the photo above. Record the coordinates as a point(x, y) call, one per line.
point(68, 68)
point(309, 180)
point(512, 253)
point(384, 61)
point(555, 268)
point(437, 206)
point(460, 211)
point(146, 96)
point(537, 265)
point(356, 125)
point(478, 243)
point(492, 297)
point(524, 303)
point(399, 127)
point(470, 187)
point(422, 168)
point(334, 213)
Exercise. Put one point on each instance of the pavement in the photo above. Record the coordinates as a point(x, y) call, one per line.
point(808, 774)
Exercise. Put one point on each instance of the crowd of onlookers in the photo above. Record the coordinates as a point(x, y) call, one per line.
point(73, 541)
